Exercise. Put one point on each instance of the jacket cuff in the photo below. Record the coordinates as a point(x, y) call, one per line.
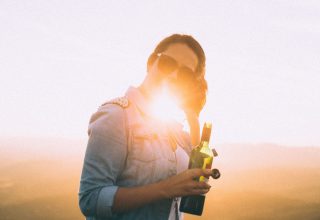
point(105, 201)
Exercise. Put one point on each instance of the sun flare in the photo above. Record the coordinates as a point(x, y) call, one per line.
point(165, 108)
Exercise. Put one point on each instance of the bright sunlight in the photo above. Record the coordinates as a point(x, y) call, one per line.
point(165, 103)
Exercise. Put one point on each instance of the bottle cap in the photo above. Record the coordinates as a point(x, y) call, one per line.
point(206, 132)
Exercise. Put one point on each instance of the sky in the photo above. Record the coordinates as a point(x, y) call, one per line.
point(59, 60)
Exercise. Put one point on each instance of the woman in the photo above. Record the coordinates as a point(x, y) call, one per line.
point(135, 165)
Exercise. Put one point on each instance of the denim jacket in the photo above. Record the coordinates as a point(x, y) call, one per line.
point(128, 147)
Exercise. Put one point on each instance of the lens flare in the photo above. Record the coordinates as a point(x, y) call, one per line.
point(164, 107)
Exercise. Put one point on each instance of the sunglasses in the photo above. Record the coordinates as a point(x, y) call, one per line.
point(167, 65)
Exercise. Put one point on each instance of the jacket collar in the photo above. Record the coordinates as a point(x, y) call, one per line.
point(136, 97)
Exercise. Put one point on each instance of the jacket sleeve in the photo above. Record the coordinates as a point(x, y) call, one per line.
point(104, 160)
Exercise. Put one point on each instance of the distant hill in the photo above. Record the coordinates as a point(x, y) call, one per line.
point(14, 150)
point(251, 156)
point(39, 179)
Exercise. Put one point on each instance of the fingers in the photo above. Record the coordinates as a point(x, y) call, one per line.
point(200, 191)
point(204, 185)
point(200, 188)
point(187, 183)
point(196, 188)
point(201, 185)
point(195, 173)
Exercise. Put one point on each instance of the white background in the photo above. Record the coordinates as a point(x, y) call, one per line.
point(59, 60)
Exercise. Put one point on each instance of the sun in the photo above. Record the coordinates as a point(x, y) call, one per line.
point(164, 107)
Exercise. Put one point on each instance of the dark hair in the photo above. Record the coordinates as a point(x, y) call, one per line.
point(184, 39)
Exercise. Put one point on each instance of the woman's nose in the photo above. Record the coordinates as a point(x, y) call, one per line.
point(173, 75)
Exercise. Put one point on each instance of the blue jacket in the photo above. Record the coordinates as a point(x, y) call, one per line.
point(128, 147)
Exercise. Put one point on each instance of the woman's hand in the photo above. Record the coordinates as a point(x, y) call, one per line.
point(193, 97)
point(184, 184)
point(192, 103)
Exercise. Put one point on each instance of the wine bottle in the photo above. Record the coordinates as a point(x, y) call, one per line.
point(201, 157)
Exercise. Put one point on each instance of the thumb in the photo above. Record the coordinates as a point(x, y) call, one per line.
point(206, 172)
point(197, 172)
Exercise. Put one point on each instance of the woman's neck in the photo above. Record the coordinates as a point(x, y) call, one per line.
point(149, 88)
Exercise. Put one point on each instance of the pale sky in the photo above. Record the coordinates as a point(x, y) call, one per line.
point(59, 60)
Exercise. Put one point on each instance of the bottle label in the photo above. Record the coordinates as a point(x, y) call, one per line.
point(207, 162)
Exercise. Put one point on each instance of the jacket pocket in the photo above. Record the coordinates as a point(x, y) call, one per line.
point(143, 145)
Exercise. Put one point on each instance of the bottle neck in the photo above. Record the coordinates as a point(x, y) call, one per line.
point(206, 132)
point(205, 138)
point(204, 144)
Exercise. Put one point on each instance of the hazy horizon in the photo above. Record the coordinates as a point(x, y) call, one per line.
point(84, 140)
point(40, 180)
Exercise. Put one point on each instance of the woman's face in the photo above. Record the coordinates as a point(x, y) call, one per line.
point(185, 71)
point(183, 55)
